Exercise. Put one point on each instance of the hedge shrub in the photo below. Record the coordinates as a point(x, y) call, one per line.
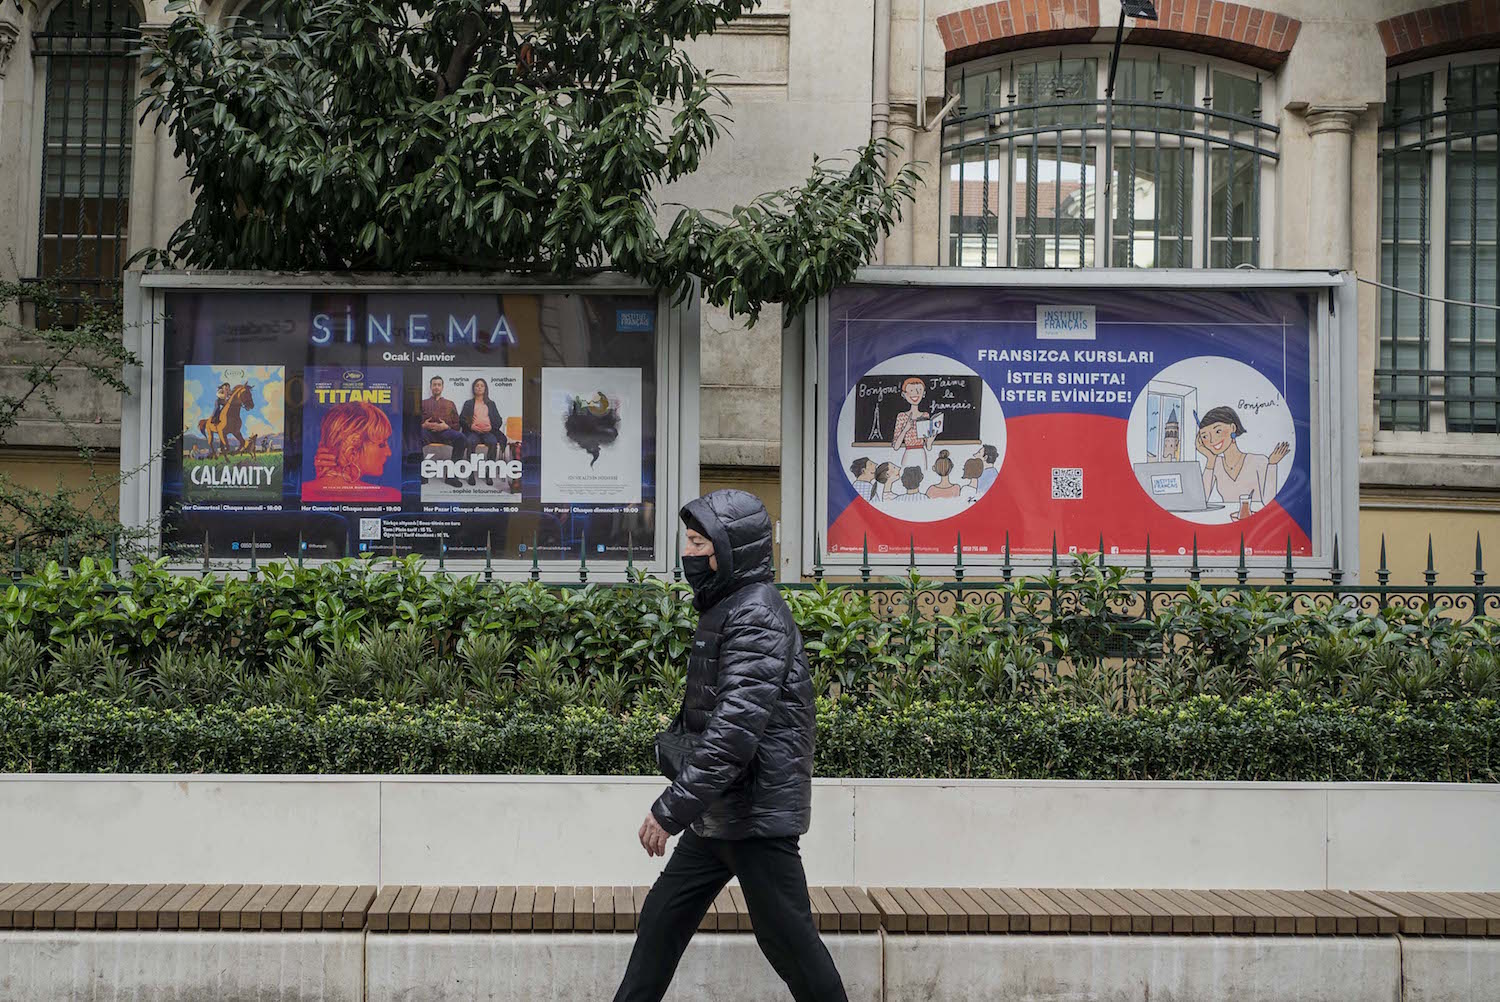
point(1279, 737)
point(317, 637)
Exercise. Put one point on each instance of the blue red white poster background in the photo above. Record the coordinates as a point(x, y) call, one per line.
point(1177, 415)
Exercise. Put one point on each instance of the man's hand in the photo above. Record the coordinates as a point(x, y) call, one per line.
point(653, 836)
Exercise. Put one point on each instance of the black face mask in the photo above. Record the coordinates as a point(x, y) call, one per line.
point(699, 575)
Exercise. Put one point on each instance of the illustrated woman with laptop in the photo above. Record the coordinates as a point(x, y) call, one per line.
point(1246, 481)
point(915, 428)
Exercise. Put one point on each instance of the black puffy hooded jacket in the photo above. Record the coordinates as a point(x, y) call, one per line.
point(749, 697)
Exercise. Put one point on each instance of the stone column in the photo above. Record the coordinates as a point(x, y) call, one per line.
point(900, 245)
point(1330, 230)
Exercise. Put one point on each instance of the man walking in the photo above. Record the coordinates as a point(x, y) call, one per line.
point(742, 795)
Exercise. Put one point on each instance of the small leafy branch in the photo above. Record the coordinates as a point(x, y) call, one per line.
point(42, 358)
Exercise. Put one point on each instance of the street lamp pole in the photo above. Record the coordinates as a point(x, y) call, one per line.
point(1141, 10)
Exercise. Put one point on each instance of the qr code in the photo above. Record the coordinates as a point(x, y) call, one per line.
point(369, 528)
point(1067, 484)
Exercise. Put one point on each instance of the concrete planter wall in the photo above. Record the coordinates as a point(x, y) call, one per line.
point(581, 830)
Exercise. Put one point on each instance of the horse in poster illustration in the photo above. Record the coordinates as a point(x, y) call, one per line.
point(225, 421)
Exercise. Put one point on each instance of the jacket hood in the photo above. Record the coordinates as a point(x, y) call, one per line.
point(740, 529)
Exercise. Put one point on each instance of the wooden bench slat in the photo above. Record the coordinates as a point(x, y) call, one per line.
point(1458, 918)
point(1107, 916)
point(463, 908)
point(358, 906)
point(1329, 908)
point(270, 914)
point(128, 915)
point(977, 908)
point(956, 916)
point(420, 916)
point(480, 912)
point(742, 920)
point(869, 915)
point(1485, 908)
point(297, 904)
point(1408, 923)
point(583, 909)
point(710, 920)
point(522, 918)
point(442, 908)
point(541, 909)
point(312, 912)
point(823, 914)
point(380, 912)
point(23, 912)
point(893, 916)
point(107, 912)
point(14, 894)
point(66, 913)
point(844, 905)
point(251, 910)
point(44, 914)
point(624, 909)
point(562, 909)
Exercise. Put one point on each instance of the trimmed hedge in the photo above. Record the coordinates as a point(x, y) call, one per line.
point(1280, 737)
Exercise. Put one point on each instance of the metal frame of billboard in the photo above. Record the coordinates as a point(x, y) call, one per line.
point(677, 374)
point(1334, 426)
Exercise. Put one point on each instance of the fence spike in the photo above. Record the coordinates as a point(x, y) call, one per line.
point(1054, 549)
point(911, 551)
point(1336, 573)
point(958, 558)
point(1289, 574)
point(677, 560)
point(817, 555)
point(1479, 574)
point(1101, 549)
point(1241, 572)
point(301, 549)
point(393, 549)
point(1430, 575)
point(536, 565)
point(583, 558)
point(629, 553)
point(205, 553)
point(15, 565)
point(442, 550)
point(1383, 573)
point(254, 548)
point(1194, 572)
point(489, 574)
point(1005, 567)
point(864, 559)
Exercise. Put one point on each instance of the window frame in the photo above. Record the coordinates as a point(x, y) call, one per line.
point(1436, 440)
point(1199, 235)
point(32, 200)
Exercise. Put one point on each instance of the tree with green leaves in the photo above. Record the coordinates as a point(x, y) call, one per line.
point(529, 136)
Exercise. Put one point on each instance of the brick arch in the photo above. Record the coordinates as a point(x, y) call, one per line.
point(1234, 31)
point(1440, 30)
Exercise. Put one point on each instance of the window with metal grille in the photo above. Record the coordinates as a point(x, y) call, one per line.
point(1439, 230)
point(87, 125)
point(1031, 140)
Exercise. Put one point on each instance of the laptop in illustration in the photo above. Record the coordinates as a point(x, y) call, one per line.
point(1174, 486)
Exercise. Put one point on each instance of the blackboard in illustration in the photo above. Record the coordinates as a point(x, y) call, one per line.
point(921, 437)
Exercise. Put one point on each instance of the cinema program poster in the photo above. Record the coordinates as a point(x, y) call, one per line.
point(349, 437)
point(233, 434)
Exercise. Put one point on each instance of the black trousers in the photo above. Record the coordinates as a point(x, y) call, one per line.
point(775, 888)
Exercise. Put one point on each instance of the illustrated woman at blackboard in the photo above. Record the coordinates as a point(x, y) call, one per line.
point(908, 434)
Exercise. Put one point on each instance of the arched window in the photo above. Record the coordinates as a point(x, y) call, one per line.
point(1032, 138)
point(87, 127)
point(1439, 229)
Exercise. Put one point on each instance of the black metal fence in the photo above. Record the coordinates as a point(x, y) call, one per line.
point(1136, 591)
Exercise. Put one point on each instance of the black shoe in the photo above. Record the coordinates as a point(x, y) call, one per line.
point(453, 482)
point(489, 481)
point(471, 480)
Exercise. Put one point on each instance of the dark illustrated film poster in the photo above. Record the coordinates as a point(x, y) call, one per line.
point(335, 423)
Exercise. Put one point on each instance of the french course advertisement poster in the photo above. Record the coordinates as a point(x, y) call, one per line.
point(1028, 417)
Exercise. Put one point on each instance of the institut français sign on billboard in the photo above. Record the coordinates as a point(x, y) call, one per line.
point(1169, 416)
point(503, 424)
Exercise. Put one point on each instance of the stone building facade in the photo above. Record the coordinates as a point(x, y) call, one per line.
point(1339, 134)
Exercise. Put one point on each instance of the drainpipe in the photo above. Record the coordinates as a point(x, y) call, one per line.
point(880, 105)
point(922, 64)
